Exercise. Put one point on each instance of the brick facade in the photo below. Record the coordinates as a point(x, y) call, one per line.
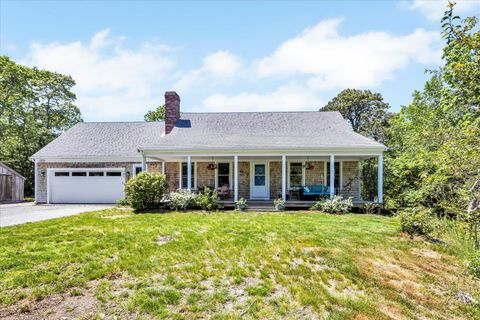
point(350, 180)
point(205, 177)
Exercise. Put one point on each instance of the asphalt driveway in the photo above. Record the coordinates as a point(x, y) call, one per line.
point(18, 213)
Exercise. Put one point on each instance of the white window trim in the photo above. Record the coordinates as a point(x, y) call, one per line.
point(134, 166)
point(194, 175)
point(230, 164)
point(288, 172)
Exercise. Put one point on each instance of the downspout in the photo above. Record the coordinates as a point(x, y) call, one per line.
point(35, 180)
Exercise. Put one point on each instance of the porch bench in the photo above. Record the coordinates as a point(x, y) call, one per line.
point(314, 192)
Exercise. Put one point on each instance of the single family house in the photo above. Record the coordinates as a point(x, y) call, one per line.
point(297, 156)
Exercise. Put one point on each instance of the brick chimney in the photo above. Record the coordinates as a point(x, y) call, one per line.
point(172, 110)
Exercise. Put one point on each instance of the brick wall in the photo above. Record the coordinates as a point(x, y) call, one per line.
point(275, 179)
point(243, 180)
point(351, 181)
point(172, 171)
point(205, 177)
point(316, 175)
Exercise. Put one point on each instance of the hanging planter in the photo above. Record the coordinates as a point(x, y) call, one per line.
point(212, 166)
point(308, 166)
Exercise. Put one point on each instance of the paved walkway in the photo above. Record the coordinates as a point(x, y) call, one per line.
point(18, 213)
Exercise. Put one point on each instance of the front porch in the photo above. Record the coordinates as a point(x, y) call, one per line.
point(298, 179)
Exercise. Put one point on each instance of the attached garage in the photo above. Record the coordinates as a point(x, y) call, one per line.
point(85, 185)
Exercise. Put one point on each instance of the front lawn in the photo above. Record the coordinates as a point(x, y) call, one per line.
point(226, 266)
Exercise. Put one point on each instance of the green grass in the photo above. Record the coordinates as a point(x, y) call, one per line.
point(233, 265)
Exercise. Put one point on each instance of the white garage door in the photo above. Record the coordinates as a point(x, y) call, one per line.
point(86, 185)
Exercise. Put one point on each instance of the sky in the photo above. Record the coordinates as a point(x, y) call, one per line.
point(227, 56)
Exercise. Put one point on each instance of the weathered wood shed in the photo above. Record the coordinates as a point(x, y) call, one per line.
point(11, 184)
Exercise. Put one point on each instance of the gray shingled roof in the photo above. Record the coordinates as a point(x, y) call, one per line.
point(103, 139)
point(241, 130)
point(262, 130)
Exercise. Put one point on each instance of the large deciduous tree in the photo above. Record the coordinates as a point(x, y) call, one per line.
point(35, 107)
point(367, 114)
point(365, 111)
point(155, 115)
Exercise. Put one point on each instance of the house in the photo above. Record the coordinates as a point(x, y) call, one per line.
point(250, 155)
point(11, 184)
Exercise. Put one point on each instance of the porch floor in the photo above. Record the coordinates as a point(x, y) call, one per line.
point(267, 205)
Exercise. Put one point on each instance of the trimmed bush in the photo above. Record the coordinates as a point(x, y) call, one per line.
point(418, 221)
point(337, 205)
point(146, 191)
point(182, 200)
point(207, 200)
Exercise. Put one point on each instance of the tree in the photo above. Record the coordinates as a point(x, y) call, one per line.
point(367, 114)
point(434, 142)
point(155, 115)
point(365, 111)
point(35, 107)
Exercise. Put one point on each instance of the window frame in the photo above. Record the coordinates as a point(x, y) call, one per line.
point(217, 175)
point(194, 175)
point(289, 172)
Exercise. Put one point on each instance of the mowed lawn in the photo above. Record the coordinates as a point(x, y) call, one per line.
point(227, 265)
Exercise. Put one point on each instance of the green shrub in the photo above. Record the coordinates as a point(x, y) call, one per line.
point(182, 200)
point(337, 205)
point(146, 190)
point(122, 202)
point(418, 221)
point(473, 264)
point(207, 200)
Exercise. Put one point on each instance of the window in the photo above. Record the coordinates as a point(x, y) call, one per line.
point(137, 168)
point(95, 174)
point(114, 174)
point(185, 175)
point(296, 174)
point(62, 174)
point(259, 175)
point(79, 174)
point(223, 174)
point(337, 174)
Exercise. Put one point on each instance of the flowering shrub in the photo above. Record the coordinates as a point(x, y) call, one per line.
point(337, 205)
point(182, 200)
point(241, 204)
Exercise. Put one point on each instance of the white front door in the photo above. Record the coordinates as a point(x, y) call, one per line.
point(259, 182)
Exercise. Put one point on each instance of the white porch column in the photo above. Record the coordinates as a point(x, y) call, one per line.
point(235, 178)
point(189, 173)
point(284, 177)
point(35, 181)
point(163, 167)
point(380, 179)
point(332, 176)
point(144, 163)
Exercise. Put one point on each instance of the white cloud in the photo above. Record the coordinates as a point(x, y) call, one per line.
point(111, 81)
point(433, 9)
point(335, 61)
point(291, 97)
point(219, 66)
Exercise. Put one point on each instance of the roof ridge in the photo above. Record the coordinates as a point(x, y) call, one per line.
point(227, 112)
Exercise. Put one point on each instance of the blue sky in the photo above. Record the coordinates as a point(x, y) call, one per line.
point(227, 56)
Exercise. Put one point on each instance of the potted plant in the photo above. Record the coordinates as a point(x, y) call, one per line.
point(279, 204)
point(241, 204)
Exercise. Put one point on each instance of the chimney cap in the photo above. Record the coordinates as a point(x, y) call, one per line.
point(171, 93)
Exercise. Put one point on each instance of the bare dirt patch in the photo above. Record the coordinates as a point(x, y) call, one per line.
point(163, 240)
point(56, 306)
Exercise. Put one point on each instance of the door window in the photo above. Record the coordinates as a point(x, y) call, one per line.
point(259, 179)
